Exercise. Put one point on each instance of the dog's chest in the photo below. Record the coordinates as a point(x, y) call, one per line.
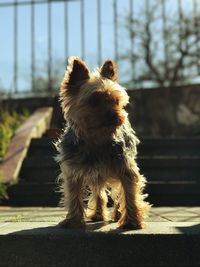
point(89, 155)
point(76, 151)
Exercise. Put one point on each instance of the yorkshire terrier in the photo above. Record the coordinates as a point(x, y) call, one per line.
point(97, 150)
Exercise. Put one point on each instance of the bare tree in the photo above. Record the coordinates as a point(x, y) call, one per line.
point(42, 83)
point(166, 48)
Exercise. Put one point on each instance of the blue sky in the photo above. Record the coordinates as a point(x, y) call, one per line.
point(41, 44)
point(58, 54)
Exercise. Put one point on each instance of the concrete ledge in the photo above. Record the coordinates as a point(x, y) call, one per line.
point(31, 237)
point(44, 244)
point(34, 127)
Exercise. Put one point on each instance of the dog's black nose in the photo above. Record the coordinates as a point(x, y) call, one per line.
point(111, 116)
point(111, 119)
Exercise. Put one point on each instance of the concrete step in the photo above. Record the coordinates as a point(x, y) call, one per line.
point(40, 162)
point(160, 193)
point(32, 238)
point(144, 161)
point(38, 175)
point(173, 193)
point(148, 146)
point(180, 146)
point(154, 168)
point(169, 161)
point(33, 194)
point(42, 142)
point(43, 146)
point(178, 176)
point(147, 141)
point(180, 140)
point(170, 142)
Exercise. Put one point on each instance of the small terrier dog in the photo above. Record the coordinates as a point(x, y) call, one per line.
point(98, 148)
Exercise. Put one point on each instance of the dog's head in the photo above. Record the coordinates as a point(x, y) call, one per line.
point(93, 101)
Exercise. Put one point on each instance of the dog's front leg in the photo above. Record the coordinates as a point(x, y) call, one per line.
point(132, 205)
point(73, 201)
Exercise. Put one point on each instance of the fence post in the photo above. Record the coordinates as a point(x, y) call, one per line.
point(15, 43)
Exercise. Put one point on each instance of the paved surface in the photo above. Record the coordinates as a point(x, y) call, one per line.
point(30, 237)
point(174, 220)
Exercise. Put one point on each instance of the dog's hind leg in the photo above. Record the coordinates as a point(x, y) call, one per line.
point(115, 193)
point(97, 204)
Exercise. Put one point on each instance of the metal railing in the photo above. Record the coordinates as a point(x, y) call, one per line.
point(117, 53)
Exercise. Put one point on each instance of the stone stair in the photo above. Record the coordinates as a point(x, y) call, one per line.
point(172, 166)
point(37, 178)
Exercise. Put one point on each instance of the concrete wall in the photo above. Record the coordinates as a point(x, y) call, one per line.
point(32, 103)
point(153, 112)
point(166, 111)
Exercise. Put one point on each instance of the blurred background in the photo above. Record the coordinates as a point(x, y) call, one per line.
point(156, 43)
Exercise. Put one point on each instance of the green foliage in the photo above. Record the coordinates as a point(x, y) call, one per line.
point(9, 122)
point(3, 193)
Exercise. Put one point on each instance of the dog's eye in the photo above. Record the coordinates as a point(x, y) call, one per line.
point(117, 102)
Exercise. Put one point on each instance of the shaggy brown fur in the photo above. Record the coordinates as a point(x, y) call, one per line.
point(98, 149)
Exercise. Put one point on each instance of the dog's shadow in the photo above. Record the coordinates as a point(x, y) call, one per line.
point(103, 227)
point(96, 228)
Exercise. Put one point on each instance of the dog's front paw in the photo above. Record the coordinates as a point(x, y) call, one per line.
point(96, 217)
point(131, 225)
point(71, 224)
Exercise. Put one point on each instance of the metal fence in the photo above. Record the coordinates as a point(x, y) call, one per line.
point(123, 15)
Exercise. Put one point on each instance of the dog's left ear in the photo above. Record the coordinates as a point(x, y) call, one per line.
point(109, 70)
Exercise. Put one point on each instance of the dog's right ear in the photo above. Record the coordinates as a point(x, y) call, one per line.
point(76, 73)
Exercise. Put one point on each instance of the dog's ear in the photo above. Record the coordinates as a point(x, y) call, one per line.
point(77, 71)
point(109, 70)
